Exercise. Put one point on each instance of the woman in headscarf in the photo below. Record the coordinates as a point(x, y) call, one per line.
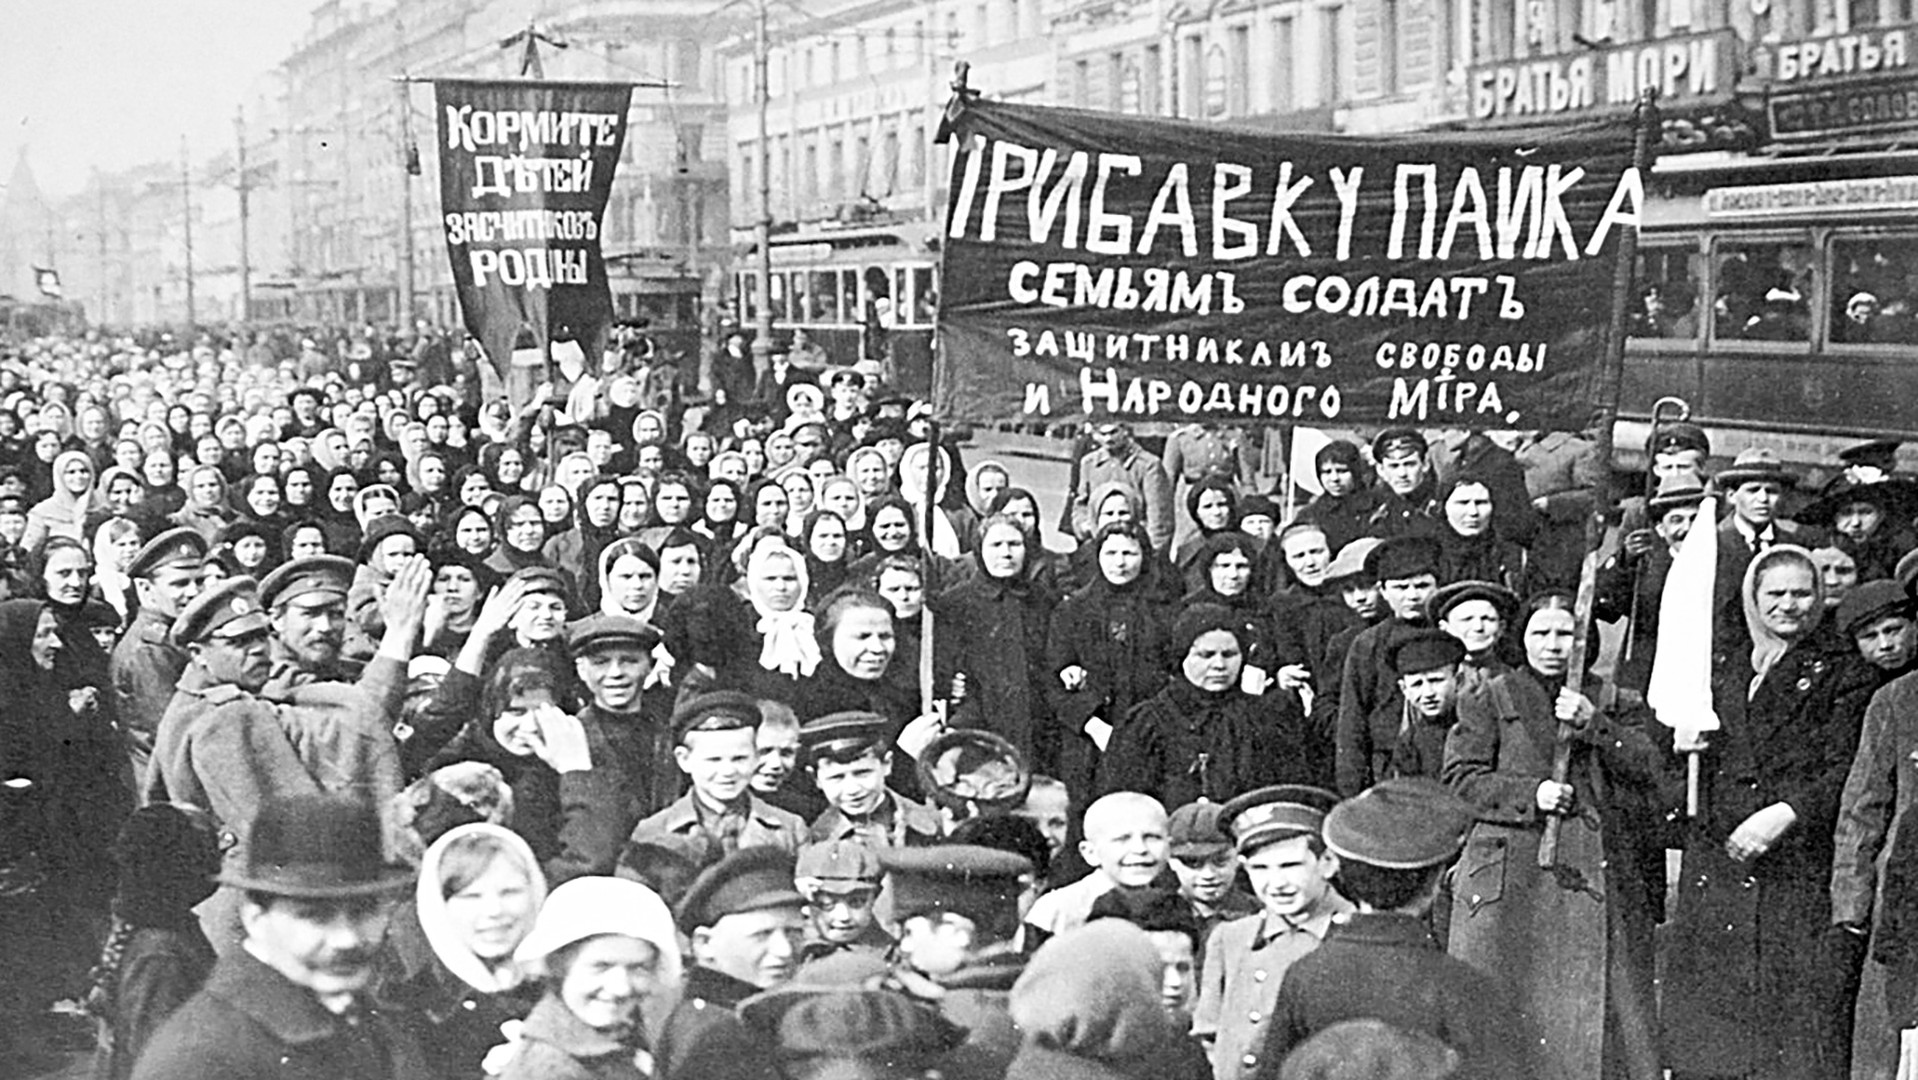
point(596, 524)
point(480, 888)
point(992, 638)
point(336, 512)
point(629, 581)
point(871, 472)
point(37, 467)
point(758, 636)
point(470, 487)
point(206, 509)
point(1113, 501)
point(839, 494)
point(329, 449)
point(607, 954)
point(675, 506)
point(64, 512)
point(1754, 984)
point(63, 745)
point(522, 536)
point(822, 539)
point(258, 498)
point(472, 533)
point(1523, 920)
point(505, 463)
point(983, 483)
point(385, 467)
point(555, 502)
point(944, 540)
point(719, 514)
point(1050, 568)
point(1225, 568)
point(1106, 649)
point(299, 487)
point(115, 541)
point(769, 504)
point(1202, 737)
point(1212, 508)
point(1469, 548)
point(1347, 499)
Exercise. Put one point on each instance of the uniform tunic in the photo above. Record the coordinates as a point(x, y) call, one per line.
point(706, 1040)
point(1245, 961)
point(145, 669)
point(681, 827)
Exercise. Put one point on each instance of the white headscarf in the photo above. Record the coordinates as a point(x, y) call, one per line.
point(1767, 646)
point(790, 647)
point(454, 953)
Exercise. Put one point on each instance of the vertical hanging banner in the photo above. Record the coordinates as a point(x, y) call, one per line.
point(1118, 267)
point(525, 171)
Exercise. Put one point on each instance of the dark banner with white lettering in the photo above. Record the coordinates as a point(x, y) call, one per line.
point(1102, 266)
point(525, 171)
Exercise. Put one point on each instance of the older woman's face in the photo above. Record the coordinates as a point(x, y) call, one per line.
point(770, 507)
point(206, 488)
point(46, 641)
point(76, 476)
point(610, 977)
point(1003, 550)
point(554, 506)
point(1121, 559)
point(1230, 572)
point(299, 487)
point(673, 504)
point(829, 540)
point(776, 582)
point(863, 642)
point(1549, 634)
point(524, 529)
point(1213, 661)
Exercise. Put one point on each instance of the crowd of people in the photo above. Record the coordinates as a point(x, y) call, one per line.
point(358, 725)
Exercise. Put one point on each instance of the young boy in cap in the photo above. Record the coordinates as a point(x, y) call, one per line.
point(1128, 845)
point(1878, 617)
point(840, 880)
point(849, 756)
point(1207, 868)
point(1406, 569)
point(613, 657)
point(1276, 833)
point(745, 922)
point(1392, 842)
point(1427, 664)
point(957, 906)
point(715, 748)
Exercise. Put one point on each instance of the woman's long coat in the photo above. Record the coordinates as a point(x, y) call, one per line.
point(1748, 987)
point(1575, 943)
point(993, 631)
point(1118, 635)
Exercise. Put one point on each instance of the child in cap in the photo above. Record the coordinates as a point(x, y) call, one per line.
point(717, 747)
point(840, 880)
point(849, 756)
point(1393, 841)
point(1207, 868)
point(1128, 845)
point(1275, 831)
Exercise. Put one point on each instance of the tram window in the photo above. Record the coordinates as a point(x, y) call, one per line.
point(822, 296)
point(1764, 291)
point(925, 298)
point(1874, 290)
point(778, 285)
point(1667, 288)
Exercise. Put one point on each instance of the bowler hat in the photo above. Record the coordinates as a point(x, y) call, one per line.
point(316, 846)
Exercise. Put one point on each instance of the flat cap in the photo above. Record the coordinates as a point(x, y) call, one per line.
point(228, 609)
point(1196, 830)
point(1443, 600)
point(1425, 650)
point(175, 547)
point(601, 630)
point(1395, 440)
point(750, 879)
point(1866, 604)
point(1259, 817)
point(844, 727)
point(328, 574)
point(837, 866)
point(544, 579)
point(980, 883)
point(1403, 557)
point(720, 710)
point(1407, 823)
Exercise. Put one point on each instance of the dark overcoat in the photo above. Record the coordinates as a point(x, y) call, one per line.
point(1747, 988)
point(1575, 943)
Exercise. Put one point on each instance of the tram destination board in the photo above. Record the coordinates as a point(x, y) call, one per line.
point(1851, 108)
point(1139, 268)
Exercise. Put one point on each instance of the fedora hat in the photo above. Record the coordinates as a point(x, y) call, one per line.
point(1675, 489)
point(1752, 464)
point(323, 847)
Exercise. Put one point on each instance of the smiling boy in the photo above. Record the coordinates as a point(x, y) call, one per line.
point(720, 815)
point(1276, 831)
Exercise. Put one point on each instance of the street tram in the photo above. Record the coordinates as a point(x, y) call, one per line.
point(863, 290)
point(1779, 298)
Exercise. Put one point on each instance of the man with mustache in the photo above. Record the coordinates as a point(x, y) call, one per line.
point(291, 1001)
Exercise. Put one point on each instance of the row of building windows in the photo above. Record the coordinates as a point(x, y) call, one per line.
point(823, 169)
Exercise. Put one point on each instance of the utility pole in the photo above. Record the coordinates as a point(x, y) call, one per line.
point(186, 200)
point(409, 164)
point(763, 228)
point(242, 186)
